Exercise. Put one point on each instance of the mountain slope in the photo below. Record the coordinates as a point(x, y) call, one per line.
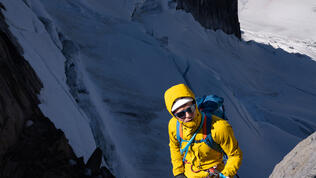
point(300, 162)
point(113, 69)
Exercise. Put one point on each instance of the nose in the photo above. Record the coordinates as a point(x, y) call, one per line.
point(187, 114)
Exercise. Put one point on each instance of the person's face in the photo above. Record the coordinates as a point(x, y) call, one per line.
point(186, 113)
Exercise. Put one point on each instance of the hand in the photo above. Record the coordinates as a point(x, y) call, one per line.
point(180, 176)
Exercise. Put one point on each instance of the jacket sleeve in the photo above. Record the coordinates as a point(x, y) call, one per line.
point(176, 158)
point(224, 136)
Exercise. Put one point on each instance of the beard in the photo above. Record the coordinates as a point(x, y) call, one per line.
point(191, 124)
point(194, 123)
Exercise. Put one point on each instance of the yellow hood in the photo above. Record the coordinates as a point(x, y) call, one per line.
point(175, 92)
point(180, 91)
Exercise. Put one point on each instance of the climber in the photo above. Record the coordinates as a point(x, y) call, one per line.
point(192, 138)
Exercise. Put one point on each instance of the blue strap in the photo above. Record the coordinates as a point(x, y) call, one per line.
point(178, 134)
point(186, 148)
point(221, 175)
point(209, 139)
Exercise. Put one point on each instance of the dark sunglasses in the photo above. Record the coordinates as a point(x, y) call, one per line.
point(181, 114)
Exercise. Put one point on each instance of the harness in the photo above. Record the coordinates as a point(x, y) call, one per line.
point(205, 124)
point(208, 105)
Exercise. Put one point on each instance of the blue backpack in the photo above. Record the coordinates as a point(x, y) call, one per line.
point(208, 106)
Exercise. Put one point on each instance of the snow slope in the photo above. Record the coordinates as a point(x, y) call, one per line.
point(106, 64)
point(286, 24)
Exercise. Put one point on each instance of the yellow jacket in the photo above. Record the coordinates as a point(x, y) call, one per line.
point(200, 156)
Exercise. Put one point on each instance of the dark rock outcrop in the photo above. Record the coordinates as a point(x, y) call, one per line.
point(30, 145)
point(214, 14)
point(19, 86)
point(300, 162)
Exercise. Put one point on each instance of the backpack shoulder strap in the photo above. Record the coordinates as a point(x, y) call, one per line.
point(179, 132)
point(209, 139)
point(205, 130)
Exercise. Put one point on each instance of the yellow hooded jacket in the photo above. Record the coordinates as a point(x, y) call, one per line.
point(200, 156)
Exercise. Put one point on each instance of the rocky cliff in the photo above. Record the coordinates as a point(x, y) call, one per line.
point(214, 14)
point(30, 145)
point(300, 162)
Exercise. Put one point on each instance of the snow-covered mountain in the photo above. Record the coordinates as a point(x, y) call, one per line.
point(286, 24)
point(104, 70)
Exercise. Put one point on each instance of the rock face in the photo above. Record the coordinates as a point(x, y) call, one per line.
point(30, 145)
point(300, 162)
point(214, 14)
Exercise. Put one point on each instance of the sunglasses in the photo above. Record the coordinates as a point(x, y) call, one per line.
point(181, 114)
